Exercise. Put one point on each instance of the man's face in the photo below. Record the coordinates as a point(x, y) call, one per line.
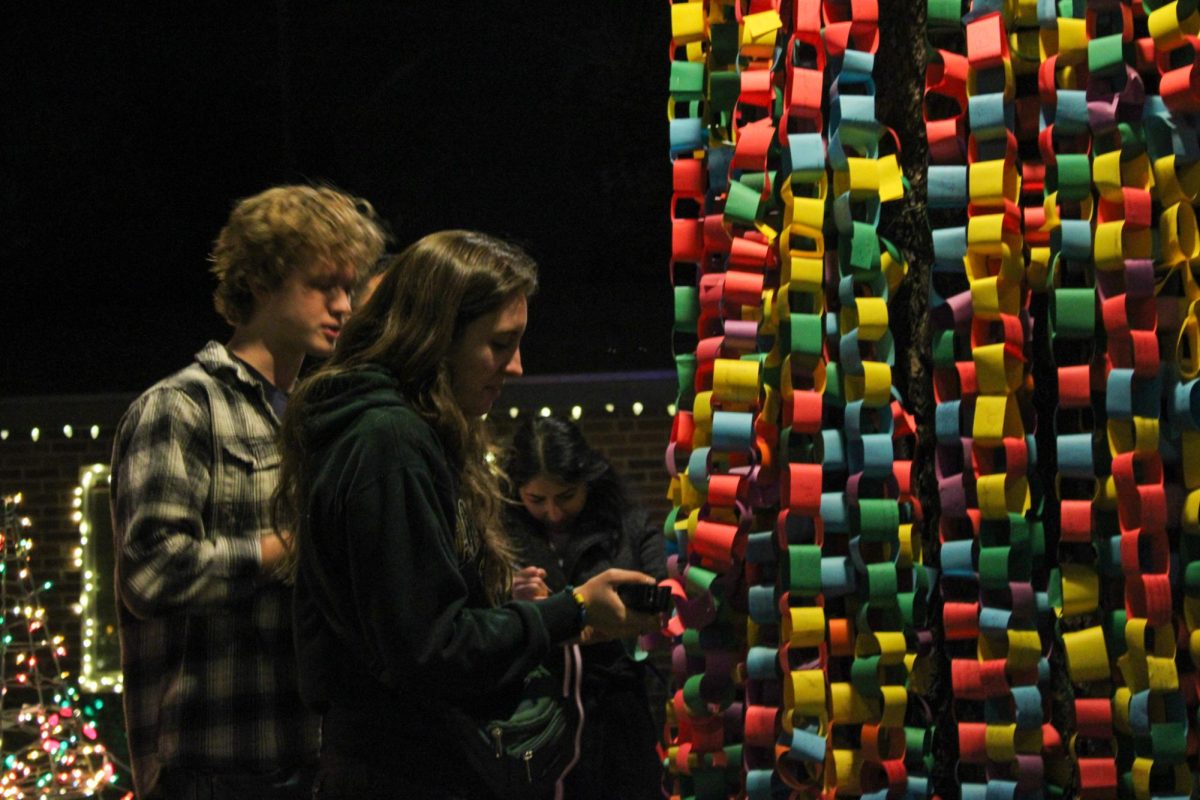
point(486, 352)
point(305, 313)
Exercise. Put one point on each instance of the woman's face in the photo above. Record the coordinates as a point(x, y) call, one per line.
point(485, 353)
point(553, 503)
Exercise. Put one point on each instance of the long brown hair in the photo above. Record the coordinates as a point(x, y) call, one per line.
point(435, 288)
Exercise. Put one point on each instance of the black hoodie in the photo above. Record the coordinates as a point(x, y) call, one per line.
point(391, 624)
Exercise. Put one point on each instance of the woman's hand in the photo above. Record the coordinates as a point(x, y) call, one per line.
point(607, 616)
point(529, 583)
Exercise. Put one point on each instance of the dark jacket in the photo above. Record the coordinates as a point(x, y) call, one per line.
point(391, 624)
point(619, 755)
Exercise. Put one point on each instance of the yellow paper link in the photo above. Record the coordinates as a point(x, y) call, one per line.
point(894, 269)
point(996, 417)
point(674, 490)
point(759, 34)
point(1024, 649)
point(987, 236)
point(1191, 460)
point(890, 646)
point(1168, 30)
point(804, 626)
point(769, 318)
point(1106, 494)
point(847, 707)
point(1194, 644)
point(702, 419)
point(688, 23)
point(1038, 270)
point(1175, 184)
point(990, 183)
point(1177, 235)
point(1080, 589)
point(1025, 45)
point(1141, 774)
point(895, 703)
point(1087, 655)
point(1120, 708)
point(1106, 175)
point(995, 371)
point(1191, 616)
point(1137, 667)
point(868, 314)
point(1139, 434)
point(1001, 494)
point(735, 381)
point(806, 274)
point(907, 556)
point(870, 178)
point(1109, 246)
point(690, 497)
point(1072, 41)
point(873, 387)
point(1161, 674)
point(999, 742)
point(807, 221)
point(847, 766)
point(806, 688)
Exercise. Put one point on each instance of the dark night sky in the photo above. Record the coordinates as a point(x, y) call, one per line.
point(129, 128)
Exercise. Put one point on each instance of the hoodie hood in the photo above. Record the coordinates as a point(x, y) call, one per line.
point(337, 401)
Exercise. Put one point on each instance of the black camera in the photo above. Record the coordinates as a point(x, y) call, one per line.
point(645, 597)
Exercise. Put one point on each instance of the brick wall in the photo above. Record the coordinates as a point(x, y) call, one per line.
point(48, 470)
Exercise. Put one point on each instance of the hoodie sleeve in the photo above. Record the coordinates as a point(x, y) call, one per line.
point(411, 599)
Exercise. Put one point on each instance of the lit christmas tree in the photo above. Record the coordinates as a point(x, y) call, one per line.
point(48, 740)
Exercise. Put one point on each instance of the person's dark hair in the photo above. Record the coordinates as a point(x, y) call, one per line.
point(555, 447)
point(438, 286)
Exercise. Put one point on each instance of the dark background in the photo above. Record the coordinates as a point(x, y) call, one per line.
point(130, 128)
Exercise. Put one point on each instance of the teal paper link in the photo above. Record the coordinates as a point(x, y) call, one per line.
point(758, 784)
point(1168, 133)
point(1187, 404)
point(947, 186)
point(872, 455)
point(760, 547)
point(990, 116)
point(732, 431)
point(958, 559)
point(859, 416)
point(1075, 455)
point(1071, 113)
point(686, 135)
point(807, 746)
point(994, 621)
point(1073, 239)
point(975, 791)
point(947, 428)
point(949, 249)
point(1027, 703)
point(843, 211)
point(698, 468)
point(833, 453)
point(833, 512)
point(805, 157)
point(761, 603)
point(837, 577)
point(762, 663)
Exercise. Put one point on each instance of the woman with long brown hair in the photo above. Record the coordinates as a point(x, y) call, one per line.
point(402, 569)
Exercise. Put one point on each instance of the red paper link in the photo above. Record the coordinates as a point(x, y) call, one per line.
point(743, 288)
point(1126, 22)
point(1140, 506)
point(857, 26)
point(687, 240)
point(683, 428)
point(1014, 334)
point(760, 725)
point(1075, 386)
point(972, 742)
point(1148, 596)
point(1134, 209)
point(1076, 521)
point(891, 738)
point(1097, 779)
point(978, 680)
point(805, 412)
point(716, 238)
point(725, 490)
point(753, 143)
point(841, 637)
point(1180, 88)
point(966, 378)
point(892, 775)
point(960, 621)
point(712, 287)
point(803, 94)
point(1016, 458)
point(716, 541)
point(750, 252)
point(802, 491)
point(757, 89)
point(987, 43)
point(687, 176)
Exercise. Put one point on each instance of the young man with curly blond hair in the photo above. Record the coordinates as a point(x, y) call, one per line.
point(211, 703)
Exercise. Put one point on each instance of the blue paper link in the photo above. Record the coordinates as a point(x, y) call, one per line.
point(947, 186)
point(760, 547)
point(837, 576)
point(1075, 456)
point(758, 784)
point(761, 602)
point(1187, 404)
point(957, 559)
point(833, 450)
point(872, 455)
point(806, 153)
point(1118, 401)
point(993, 621)
point(1075, 236)
point(946, 422)
point(1027, 701)
point(807, 746)
point(732, 430)
point(762, 663)
point(833, 514)
point(686, 135)
point(949, 249)
point(1071, 113)
point(988, 114)
point(698, 468)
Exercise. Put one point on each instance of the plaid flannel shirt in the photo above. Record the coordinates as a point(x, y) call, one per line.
point(206, 648)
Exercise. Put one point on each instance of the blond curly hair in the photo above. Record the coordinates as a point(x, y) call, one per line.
point(285, 228)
